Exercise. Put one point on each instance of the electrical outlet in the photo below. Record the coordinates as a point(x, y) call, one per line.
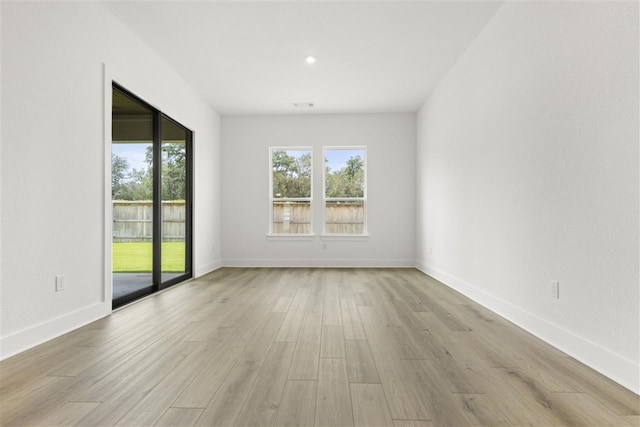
point(59, 283)
point(555, 289)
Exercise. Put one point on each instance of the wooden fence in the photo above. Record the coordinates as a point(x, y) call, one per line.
point(295, 218)
point(133, 221)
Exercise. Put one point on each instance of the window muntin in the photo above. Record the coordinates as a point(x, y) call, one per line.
point(345, 191)
point(290, 191)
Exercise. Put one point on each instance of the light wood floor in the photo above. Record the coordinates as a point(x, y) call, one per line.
point(264, 347)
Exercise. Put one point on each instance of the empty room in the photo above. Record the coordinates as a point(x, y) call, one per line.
point(320, 213)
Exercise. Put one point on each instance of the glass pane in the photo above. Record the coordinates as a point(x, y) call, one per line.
point(174, 190)
point(344, 217)
point(132, 194)
point(344, 173)
point(291, 217)
point(291, 173)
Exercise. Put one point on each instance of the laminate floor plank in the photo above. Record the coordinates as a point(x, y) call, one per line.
point(298, 404)
point(612, 395)
point(403, 293)
point(199, 330)
point(183, 417)
point(478, 409)
point(363, 299)
point(408, 343)
point(360, 363)
point(69, 386)
point(541, 404)
point(369, 405)
point(345, 290)
point(332, 346)
point(282, 305)
point(126, 395)
point(632, 420)
point(331, 315)
point(260, 408)
point(582, 410)
point(306, 357)
point(202, 373)
point(146, 364)
point(405, 399)
point(302, 346)
point(293, 320)
point(69, 414)
point(493, 352)
point(33, 404)
point(412, 423)
point(29, 364)
point(225, 405)
point(98, 361)
point(316, 297)
point(387, 313)
point(440, 404)
point(351, 323)
point(249, 346)
point(333, 401)
point(441, 308)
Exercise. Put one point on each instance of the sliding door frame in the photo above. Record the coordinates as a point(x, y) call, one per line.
point(188, 204)
point(157, 283)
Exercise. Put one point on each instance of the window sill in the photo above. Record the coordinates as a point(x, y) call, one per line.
point(291, 237)
point(345, 237)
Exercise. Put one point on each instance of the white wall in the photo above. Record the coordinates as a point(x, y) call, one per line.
point(390, 141)
point(55, 161)
point(528, 172)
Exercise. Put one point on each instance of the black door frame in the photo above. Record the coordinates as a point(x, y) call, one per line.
point(157, 283)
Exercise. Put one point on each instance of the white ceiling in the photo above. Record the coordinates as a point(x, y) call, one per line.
point(248, 57)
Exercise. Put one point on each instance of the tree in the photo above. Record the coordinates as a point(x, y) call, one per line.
point(137, 184)
point(174, 170)
point(347, 181)
point(129, 184)
point(141, 185)
point(291, 175)
point(119, 168)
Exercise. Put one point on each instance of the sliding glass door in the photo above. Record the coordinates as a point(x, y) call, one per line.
point(151, 193)
point(175, 186)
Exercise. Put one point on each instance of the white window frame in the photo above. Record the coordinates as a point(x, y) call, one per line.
point(272, 199)
point(325, 199)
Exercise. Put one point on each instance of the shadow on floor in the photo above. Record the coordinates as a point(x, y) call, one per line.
point(127, 283)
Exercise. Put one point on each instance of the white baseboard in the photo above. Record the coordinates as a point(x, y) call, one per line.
point(30, 337)
point(201, 270)
point(620, 369)
point(312, 262)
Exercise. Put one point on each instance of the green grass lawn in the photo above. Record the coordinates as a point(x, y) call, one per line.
point(137, 257)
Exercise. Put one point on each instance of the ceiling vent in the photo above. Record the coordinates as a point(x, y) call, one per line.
point(303, 104)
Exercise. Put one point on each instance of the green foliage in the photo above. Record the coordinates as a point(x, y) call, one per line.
point(174, 157)
point(291, 174)
point(129, 184)
point(137, 184)
point(119, 168)
point(347, 181)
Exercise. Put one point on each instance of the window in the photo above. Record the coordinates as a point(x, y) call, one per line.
point(290, 191)
point(345, 191)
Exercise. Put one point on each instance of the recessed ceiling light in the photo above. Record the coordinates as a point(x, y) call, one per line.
point(310, 59)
